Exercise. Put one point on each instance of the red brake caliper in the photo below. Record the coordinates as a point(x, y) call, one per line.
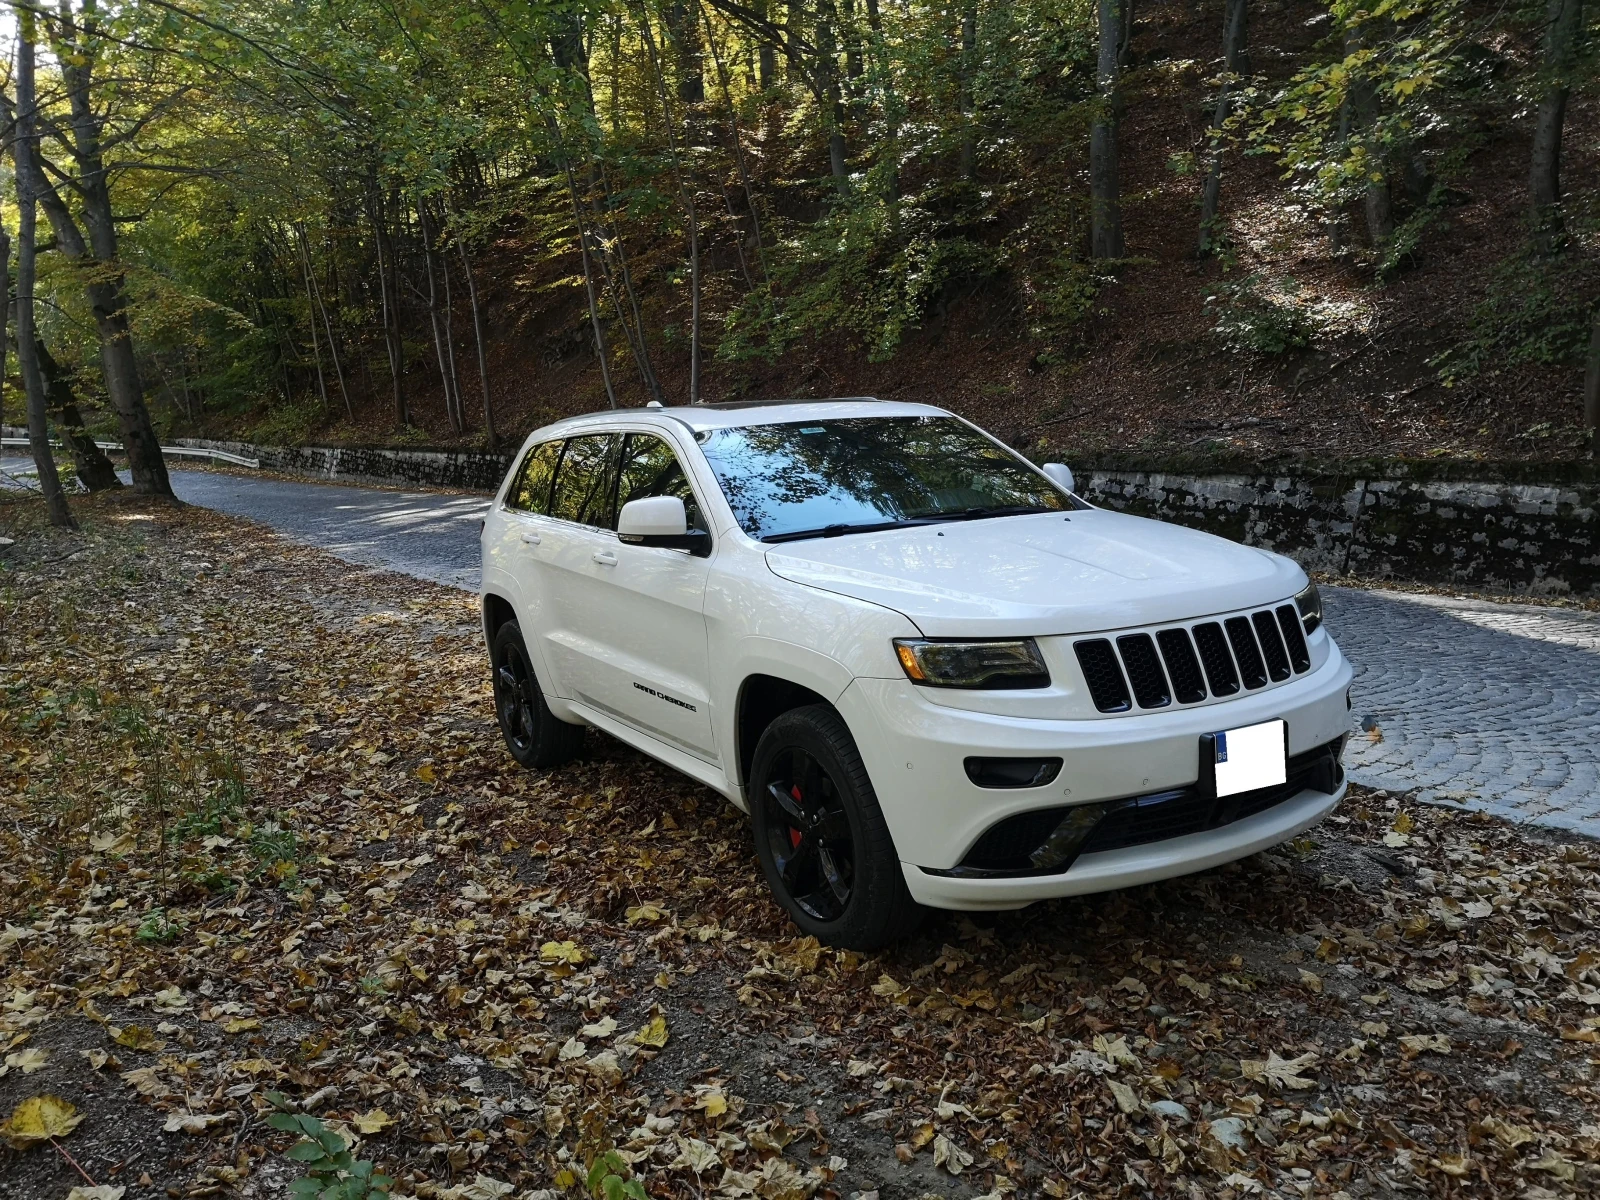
point(794, 834)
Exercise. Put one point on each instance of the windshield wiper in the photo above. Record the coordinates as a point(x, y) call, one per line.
point(999, 510)
point(824, 531)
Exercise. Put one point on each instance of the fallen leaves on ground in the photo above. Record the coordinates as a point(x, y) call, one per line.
point(261, 835)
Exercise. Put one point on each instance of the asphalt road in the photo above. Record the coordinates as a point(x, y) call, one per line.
point(1494, 706)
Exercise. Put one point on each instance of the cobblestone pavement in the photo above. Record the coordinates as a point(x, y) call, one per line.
point(1494, 706)
point(1489, 705)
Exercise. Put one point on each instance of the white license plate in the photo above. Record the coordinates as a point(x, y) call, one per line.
point(1251, 757)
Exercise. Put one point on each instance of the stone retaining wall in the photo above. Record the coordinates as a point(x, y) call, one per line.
point(1490, 534)
point(465, 470)
point(1501, 528)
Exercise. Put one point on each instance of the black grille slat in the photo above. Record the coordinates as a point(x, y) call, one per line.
point(1295, 635)
point(1107, 687)
point(1248, 654)
point(1272, 645)
point(1218, 662)
point(1183, 668)
point(1144, 670)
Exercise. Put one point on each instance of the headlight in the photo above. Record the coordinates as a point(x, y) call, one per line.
point(1012, 664)
point(1309, 602)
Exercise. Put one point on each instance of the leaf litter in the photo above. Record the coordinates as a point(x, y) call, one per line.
point(260, 835)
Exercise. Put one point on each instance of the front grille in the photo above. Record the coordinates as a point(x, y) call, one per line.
point(1046, 841)
point(1219, 663)
point(1189, 665)
point(1294, 634)
point(1144, 670)
point(1104, 677)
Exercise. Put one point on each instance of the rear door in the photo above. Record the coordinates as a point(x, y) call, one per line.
point(634, 636)
point(518, 552)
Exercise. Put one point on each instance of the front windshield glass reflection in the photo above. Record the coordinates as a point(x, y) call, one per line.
point(815, 478)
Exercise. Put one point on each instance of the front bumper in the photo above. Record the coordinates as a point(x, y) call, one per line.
point(914, 752)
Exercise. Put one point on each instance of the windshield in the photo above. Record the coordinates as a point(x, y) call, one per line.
point(821, 478)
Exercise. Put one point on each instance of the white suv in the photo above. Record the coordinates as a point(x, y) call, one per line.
point(929, 672)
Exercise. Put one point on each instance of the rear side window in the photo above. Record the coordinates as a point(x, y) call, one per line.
point(531, 490)
point(586, 481)
point(650, 468)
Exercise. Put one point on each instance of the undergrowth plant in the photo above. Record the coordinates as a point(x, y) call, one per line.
point(332, 1172)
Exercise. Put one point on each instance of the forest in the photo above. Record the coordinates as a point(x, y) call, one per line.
point(1258, 227)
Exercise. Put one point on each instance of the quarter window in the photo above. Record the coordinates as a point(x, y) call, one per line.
point(585, 486)
point(650, 468)
point(531, 491)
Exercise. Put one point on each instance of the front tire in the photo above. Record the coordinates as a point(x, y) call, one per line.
point(534, 735)
point(821, 837)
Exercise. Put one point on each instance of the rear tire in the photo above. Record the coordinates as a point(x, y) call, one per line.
point(534, 735)
point(821, 837)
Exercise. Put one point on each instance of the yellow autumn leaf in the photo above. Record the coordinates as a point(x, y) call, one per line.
point(425, 773)
point(135, 1037)
point(372, 1122)
point(561, 952)
point(713, 1103)
point(1403, 823)
point(653, 1034)
point(38, 1119)
point(647, 913)
point(241, 1024)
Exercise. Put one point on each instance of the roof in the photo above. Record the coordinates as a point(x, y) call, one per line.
point(747, 412)
point(779, 412)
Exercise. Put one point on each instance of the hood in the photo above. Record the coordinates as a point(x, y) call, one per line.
point(1041, 575)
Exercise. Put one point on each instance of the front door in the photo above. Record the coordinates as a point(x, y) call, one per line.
point(630, 634)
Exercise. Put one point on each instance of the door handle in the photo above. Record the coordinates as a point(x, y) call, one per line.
point(531, 539)
point(605, 558)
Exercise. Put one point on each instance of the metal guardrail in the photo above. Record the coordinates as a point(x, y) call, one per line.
point(180, 451)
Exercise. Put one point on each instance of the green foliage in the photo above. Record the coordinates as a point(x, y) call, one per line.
point(1254, 319)
point(156, 927)
point(1395, 81)
point(865, 269)
point(611, 1179)
point(332, 1172)
point(288, 424)
point(1534, 312)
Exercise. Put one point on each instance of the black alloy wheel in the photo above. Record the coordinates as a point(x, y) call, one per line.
point(824, 846)
point(808, 834)
point(535, 736)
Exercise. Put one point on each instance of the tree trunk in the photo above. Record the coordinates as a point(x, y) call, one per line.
point(333, 347)
point(833, 103)
point(891, 114)
point(1105, 199)
point(600, 349)
point(1563, 31)
point(107, 294)
point(646, 366)
point(1125, 35)
point(389, 290)
point(738, 151)
point(450, 337)
point(967, 164)
point(95, 470)
point(687, 193)
point(1377, 201)
point(766, 54)
point(683, 31)
point(311, 315)
point(44, 458)
point(477, 333)
point(1591, 388)
point(439, 335)
point(1233, 40)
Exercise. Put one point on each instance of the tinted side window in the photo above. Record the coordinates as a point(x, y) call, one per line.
point(586, 481)
point(531, 490)
point(650, 468)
